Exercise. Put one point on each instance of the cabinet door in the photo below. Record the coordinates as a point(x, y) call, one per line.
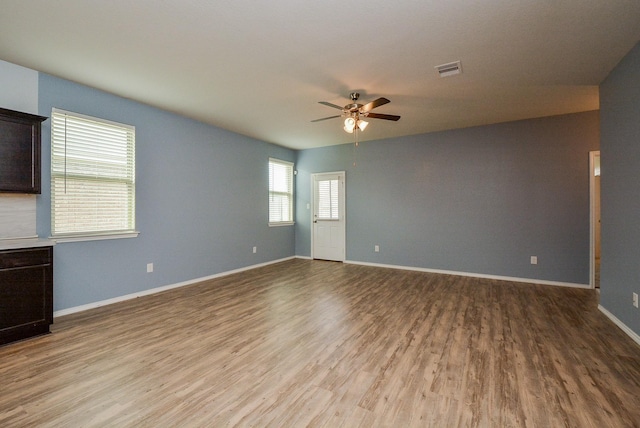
point(19, 152)
point(24, 297)
point(16, 158)
point(26, 302)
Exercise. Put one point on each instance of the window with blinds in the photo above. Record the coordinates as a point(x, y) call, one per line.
point(328, 200)
point(92, 177)
point(280, 192)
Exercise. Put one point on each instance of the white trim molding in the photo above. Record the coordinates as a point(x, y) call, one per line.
point(94, 237)
point(474, 275)
point(632, 334)
point(94, 305)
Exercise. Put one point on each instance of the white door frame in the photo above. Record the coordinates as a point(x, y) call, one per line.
point(343, 206)
point(592, 218)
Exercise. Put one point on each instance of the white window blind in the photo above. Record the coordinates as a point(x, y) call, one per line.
point(328, 200)
point(92, 176)
point(280, 192)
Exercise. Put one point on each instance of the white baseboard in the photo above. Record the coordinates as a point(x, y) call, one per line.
point(474, 275)
point(160, 289)
point(632, 334)
point(304, 257)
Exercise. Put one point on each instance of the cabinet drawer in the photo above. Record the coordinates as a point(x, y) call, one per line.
point(27, 257)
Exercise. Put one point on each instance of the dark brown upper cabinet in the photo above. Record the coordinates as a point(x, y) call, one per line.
point(20, 151)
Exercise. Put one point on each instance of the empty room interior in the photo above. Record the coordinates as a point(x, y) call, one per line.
point(320, 214)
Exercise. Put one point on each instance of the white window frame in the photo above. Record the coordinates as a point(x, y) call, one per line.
point(76, 160)
point(277, 194)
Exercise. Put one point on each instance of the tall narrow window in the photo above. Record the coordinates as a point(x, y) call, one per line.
point(92, 177)
point(280, 192)
point(328, 200)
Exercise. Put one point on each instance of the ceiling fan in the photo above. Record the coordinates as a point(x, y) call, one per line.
point(355, 112)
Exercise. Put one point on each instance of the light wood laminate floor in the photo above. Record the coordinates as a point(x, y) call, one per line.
point(310, 343)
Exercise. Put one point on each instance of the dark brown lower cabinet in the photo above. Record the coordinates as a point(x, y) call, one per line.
point(26, 293)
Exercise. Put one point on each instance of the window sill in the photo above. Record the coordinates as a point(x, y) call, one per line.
point(94, 237)
point(287, 223)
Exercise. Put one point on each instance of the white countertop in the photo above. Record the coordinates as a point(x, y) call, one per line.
point(14, 244)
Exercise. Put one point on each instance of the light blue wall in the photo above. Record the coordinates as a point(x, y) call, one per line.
point(201, 200)
point(620, 184)
point(478, 200)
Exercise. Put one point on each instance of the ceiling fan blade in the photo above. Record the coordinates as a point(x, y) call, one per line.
point(330, 105)
point(373, 104)
point(383, 116)
point(325, 118)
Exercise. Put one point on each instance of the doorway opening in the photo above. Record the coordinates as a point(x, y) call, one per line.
point(594, 197)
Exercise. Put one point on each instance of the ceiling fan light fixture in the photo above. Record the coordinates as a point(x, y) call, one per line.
point(362, 124)
point(349, 124)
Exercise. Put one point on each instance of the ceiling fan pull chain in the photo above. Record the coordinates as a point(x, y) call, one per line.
point(354, 155)
point(355, 146)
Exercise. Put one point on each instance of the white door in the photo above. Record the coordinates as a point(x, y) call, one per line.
point(328, 216)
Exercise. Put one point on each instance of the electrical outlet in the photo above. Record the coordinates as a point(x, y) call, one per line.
point(255, 250)
point(149, 267)
point(534, 260)
point(635, 299)
point(376, 248)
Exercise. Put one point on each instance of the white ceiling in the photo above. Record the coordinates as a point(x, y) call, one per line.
point(259, 68)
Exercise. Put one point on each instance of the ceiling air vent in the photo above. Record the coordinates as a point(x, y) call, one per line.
point(450, 69)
